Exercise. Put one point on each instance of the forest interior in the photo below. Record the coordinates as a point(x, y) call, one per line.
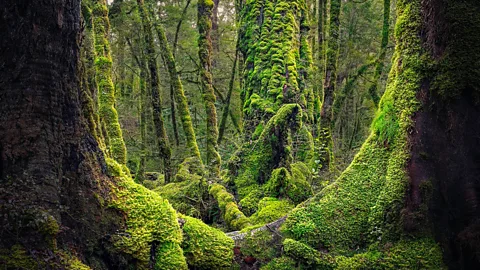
point(240, 134)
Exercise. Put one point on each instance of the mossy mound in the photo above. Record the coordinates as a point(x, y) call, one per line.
point(249, 204)
point(282, 263)
point(270, 209)
point(283, 184)
point(206, 247)
point(150, 220)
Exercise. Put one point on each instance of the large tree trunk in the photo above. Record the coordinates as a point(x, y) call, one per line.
point(412, 191)
point(50, 167)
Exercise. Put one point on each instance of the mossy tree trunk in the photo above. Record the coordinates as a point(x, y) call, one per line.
point(103, 65)
point(178, 92)
point(402, 187)
point(160, 132)
point(329, 85)
point(204, 24)
point(51, 175)
point(277, 60)
point(89, 86)
point(142, 108)
point(320, 58)
point(174, 52)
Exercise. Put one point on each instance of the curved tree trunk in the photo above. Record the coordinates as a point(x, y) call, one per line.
point(179, 94)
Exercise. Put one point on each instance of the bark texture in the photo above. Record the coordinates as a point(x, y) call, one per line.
point(50, 167)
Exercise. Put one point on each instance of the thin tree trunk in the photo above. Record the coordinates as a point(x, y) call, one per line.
point(172, 94)
point(330, 84)
point(205, 8)
point(320, 58)
point(161, 133)
point(179, 94)
point(215, 33)
point(226, 108)
point(140, 174)
point(373, 91)
point(103, 66)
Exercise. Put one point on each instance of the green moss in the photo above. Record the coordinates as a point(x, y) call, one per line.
point(283, 185)
point(269, 210)
point(17, 258)
point(234, 218)
point(262, 245)
point(421, 253)
point(363, 206)
point(273, 38)
point(186, 196)
point(274, 143)
point(307, 256)
point(149, 219)
point(258, 131)
point(249, 204)
point(103, 67)
point(206, 247)
point(282, 263)
point(385, 124)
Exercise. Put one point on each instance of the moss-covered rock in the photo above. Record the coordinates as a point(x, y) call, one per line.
point(205, 247)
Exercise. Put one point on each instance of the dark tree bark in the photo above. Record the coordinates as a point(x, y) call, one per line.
point(50, 166)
